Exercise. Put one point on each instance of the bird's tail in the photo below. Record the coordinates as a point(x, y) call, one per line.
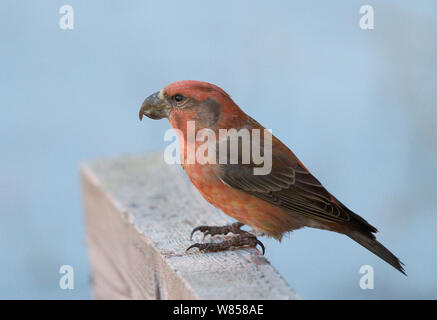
point(368, 241)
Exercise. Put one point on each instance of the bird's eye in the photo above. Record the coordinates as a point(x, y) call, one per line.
point(178, 97)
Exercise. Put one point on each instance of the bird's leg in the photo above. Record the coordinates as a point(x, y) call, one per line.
point(240, 240)
point(235, 228)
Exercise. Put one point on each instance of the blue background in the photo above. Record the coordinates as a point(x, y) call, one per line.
point(358, 107)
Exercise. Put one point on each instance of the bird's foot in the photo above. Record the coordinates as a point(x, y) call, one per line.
point(240, 240)
point(235, 228)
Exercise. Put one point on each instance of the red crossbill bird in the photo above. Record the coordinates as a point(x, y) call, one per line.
point(287, 198)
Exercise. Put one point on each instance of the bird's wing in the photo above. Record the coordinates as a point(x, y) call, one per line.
point(289, 185)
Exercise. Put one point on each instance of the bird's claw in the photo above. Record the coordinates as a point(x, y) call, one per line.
point(199, 228)
point(200, 246)
point(261, 245)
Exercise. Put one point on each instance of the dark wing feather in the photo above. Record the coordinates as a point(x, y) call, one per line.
point(289, 185)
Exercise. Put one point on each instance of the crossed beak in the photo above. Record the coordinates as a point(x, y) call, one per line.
point(154, 107)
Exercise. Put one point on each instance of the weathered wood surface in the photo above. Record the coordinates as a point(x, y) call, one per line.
point(139, 214)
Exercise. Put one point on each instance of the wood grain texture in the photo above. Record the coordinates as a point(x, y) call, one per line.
point(139, 214)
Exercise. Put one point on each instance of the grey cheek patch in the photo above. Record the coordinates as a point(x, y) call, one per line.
point(209, 112)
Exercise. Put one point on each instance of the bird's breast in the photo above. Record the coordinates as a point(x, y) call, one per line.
point(240, 205)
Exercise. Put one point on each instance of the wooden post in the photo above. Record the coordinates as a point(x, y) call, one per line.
point(139, 214)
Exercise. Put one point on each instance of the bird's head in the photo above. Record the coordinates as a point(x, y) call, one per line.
point(187, 100)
